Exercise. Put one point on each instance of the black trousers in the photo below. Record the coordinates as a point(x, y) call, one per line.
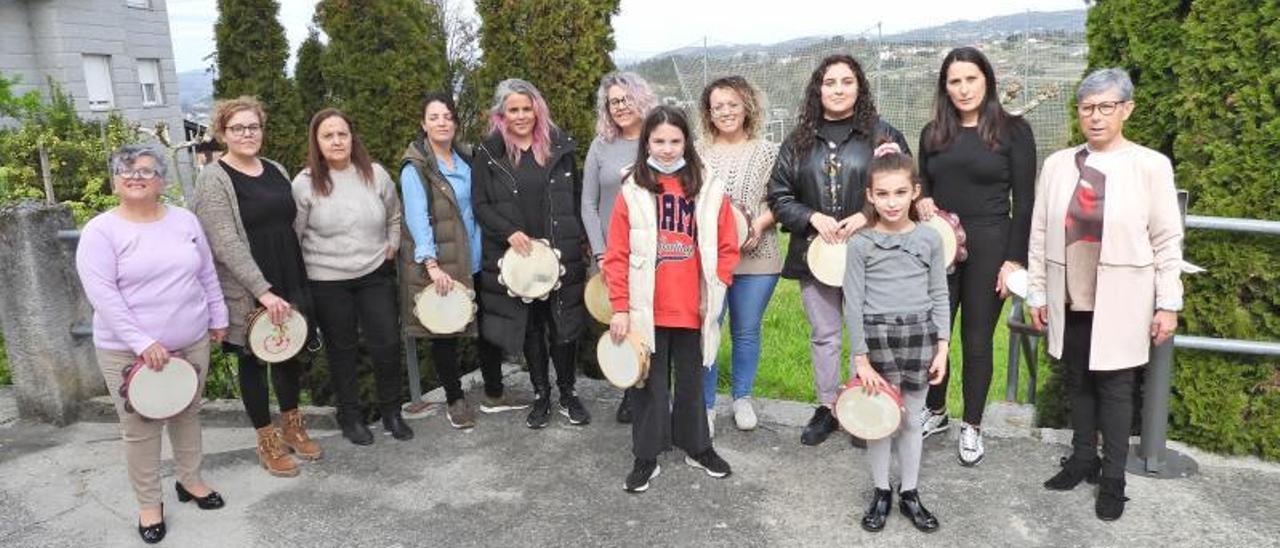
point(286, 379)
point(655, 422)
point(539, 334)
point(366, 306)
point(444, 354)
point(1100, 400)
point(972, 288)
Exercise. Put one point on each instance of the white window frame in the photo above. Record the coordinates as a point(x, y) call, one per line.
point(149, 75)
point(140, 4)
point(98, 85)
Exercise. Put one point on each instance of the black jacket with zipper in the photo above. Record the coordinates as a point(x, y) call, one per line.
point(498, 212)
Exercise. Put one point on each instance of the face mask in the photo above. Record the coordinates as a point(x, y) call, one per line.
point(668, 169)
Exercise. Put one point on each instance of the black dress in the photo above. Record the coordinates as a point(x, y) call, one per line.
point(267, 210)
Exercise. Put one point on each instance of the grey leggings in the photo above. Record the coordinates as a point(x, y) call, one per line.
point(908, 440)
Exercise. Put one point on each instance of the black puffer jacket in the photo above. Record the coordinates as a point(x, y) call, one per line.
point(802, 185)
point(498, 212)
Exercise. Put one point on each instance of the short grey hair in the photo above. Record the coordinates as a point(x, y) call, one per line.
point(124, 157)
point(1104, 80)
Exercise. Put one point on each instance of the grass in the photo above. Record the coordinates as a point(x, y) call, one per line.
point(5, 377)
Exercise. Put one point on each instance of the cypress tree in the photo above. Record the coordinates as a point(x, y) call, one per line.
point(562, 47)
point(382, 57)
point(252, 53)
point(308, 74)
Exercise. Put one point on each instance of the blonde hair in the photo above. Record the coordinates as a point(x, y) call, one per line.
point(225, 109)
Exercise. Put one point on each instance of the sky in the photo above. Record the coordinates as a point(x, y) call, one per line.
point(648, 27)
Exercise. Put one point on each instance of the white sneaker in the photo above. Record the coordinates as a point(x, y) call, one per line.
point(743, 414)
point(971, 450)
point(931, 423)
point(711, 422)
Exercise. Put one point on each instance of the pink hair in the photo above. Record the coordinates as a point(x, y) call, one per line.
point(542, 124)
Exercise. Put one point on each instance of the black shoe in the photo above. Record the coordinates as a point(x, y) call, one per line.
point(212, 501)
point(354, 430)
point(1072, 473)
point(909, 504)
point(624, 408)
point(857, 442)
point(708, 460)
point(571, 406)
point(540, 415)
point(821, 425)
point(393, 423)
point(878, 513)
point(643, 471)
point(153, 533)
point(1111, 499)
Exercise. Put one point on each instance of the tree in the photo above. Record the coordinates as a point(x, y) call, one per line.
point(382, 57)
point(308, 75)
point(251, 54)
point(562, 47)
point(462, 37)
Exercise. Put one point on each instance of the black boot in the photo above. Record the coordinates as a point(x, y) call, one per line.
point(1111, 499)
point(821, 425)
point(1072, 473)
point(353, 427)
point(624, 408)
point(878, 513)
point(909, 504)
point(393, 423)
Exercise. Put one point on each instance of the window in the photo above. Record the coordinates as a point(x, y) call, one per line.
point(144, 4)
point(97, 81)
point(149, 78)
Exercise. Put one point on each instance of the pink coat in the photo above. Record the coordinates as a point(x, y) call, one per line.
point(1141, 253)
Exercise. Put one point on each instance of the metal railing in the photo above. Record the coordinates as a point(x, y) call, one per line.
point(1152, 456)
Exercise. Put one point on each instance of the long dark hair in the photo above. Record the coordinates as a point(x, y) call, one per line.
point(436, 97)
point(690, 176)
point(993, 121)
point(864, 108)
point(321, 184)
point(891, 162)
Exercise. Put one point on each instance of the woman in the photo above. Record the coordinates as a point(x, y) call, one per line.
point(1104, 264)
point(622, 102)
point(147, 270)
point(672, 229)
point(444, 250)
point(973, 157)
point(348, 223)
point(731, 118)
point(525, 190)
point(816, 191)
point(245, 204)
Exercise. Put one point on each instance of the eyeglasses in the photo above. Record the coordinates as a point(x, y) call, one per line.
point(142, 173)
point(1106, 108)
point(726, 108)
point(241, 130)
point(619, 102)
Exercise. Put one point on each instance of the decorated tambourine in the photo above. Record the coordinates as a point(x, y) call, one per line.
point(158, 395)
point(534, 276)
point(273, 343)
point(445, 314)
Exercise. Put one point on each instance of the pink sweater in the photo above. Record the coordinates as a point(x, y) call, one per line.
point(149, 282)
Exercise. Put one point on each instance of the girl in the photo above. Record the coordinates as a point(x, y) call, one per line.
point(670, 228)
point(895, 292)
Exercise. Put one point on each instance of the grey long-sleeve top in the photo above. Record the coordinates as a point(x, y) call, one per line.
point(601, 179)
point(901, 273)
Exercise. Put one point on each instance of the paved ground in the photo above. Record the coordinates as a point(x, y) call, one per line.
point(504, 485)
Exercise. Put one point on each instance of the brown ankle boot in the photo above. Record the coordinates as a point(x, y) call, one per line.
point(295, 436)
point(273, 455)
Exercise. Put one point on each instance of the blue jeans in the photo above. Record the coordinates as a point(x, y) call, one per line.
point(745, 304)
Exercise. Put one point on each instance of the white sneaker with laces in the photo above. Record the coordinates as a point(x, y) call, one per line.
point(744, 416)
point(932, 422)
point(971, 450)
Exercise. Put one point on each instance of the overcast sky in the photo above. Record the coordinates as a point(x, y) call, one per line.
point(647, 27)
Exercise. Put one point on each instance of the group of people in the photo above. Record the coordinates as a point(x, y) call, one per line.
point(654, 208)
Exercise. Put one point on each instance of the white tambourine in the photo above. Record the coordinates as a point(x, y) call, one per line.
point(273, 343)
point(626, 364)
point(162, 394)
point(534, 276)
point(827, 261)
point(445, 314)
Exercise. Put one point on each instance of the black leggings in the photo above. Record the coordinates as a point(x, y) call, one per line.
point(540, 328)
point(347, 309)
point(286, 379)
point(444, 355)
point(1101, 401)
point(972, 287)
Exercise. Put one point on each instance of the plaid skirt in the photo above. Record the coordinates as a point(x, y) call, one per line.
point(900, 347)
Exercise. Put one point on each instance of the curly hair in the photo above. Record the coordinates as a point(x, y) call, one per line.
point(639, 95)
point(752, 105)
point(811, 113)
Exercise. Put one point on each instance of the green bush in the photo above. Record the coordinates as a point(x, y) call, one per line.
point(5, 377)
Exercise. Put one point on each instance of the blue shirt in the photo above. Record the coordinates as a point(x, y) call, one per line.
point(418, 217)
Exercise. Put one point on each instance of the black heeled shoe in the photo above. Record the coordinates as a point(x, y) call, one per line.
point(909, 504)
point(153, 533)
point(212, 501)
point(878, 513)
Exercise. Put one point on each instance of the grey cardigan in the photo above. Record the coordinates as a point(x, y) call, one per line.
point(219, 213)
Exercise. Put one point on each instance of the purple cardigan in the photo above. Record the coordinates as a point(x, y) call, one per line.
point(149, 282)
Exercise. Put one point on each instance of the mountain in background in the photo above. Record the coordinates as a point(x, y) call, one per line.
point(195, 91)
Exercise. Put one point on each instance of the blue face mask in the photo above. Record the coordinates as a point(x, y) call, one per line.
point(667, 169)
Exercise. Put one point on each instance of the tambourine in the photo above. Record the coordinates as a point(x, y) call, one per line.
point(158, 395)
point(868, 416)
point(741, 220)
point(947, 225)
point(445, 314)
point(534, 276)
point(625, 365)
point(596, 297)
point(273, 343)
point(1016, 282)
point(827, 261)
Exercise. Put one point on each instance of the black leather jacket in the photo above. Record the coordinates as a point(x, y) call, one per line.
point(802, 185)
